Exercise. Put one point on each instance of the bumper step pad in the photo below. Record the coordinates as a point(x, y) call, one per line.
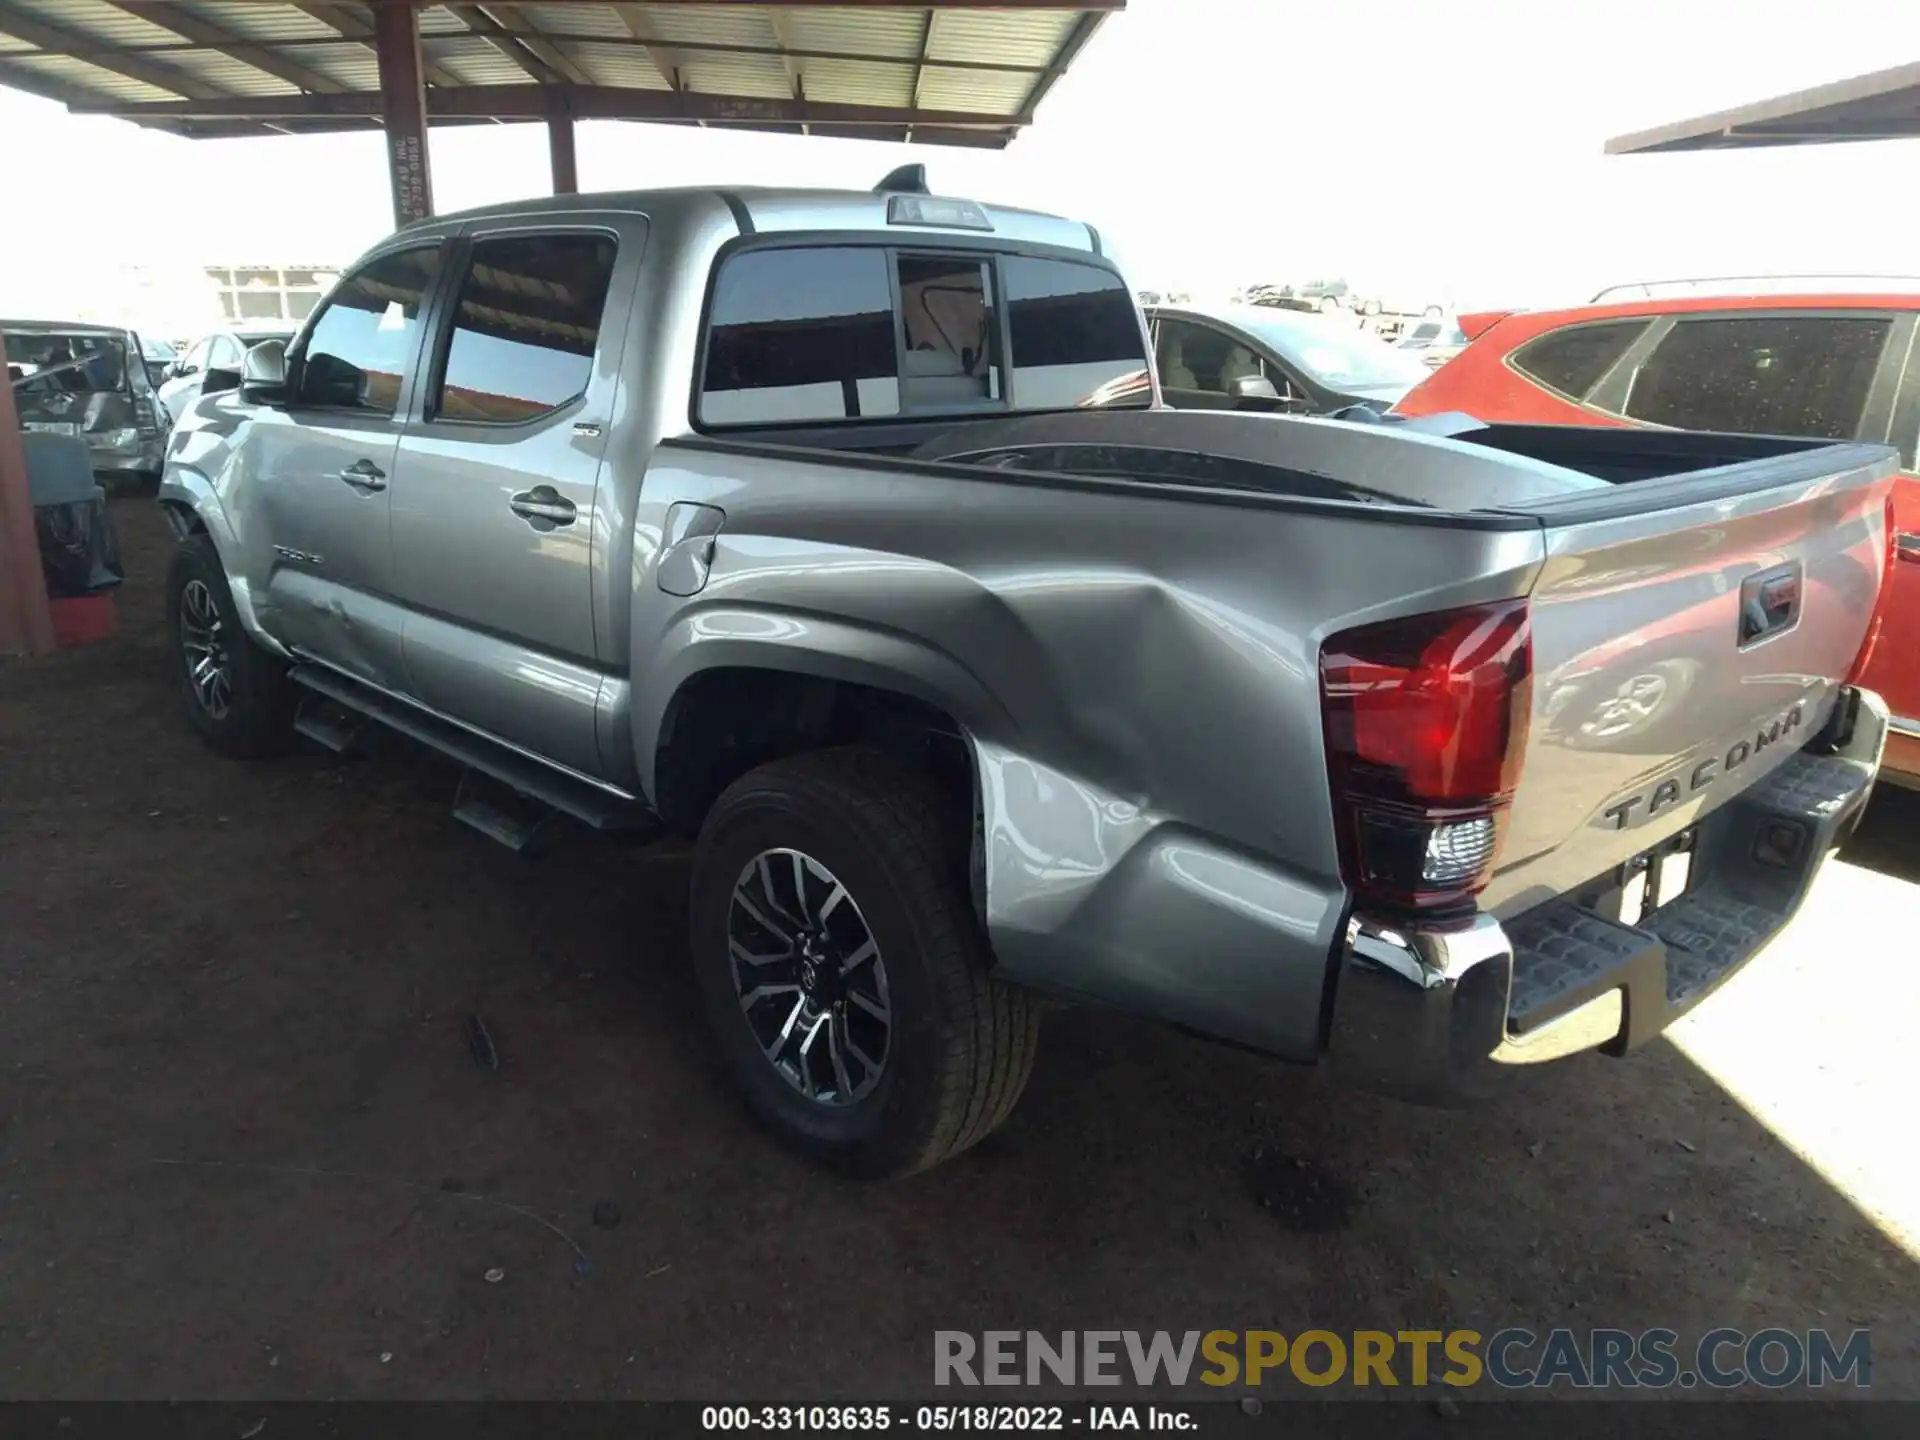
point(1564, 955)
point(1754, 862)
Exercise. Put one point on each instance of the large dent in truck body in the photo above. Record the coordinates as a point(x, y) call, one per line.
point(1134, 671)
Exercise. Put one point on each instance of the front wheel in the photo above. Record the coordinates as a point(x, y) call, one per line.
point(843, 971)
point(235, 694)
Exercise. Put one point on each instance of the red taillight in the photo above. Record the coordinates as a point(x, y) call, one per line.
point(1426, 722)
point(1878, 618)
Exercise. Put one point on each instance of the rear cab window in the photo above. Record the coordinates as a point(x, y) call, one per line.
point(852, 332)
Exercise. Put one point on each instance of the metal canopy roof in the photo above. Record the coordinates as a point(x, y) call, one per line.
point(941, 73)
point(1882, 106)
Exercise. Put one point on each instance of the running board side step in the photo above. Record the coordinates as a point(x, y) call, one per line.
point(328, 723)
point(511, 818)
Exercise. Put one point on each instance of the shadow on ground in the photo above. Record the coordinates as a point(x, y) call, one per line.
point(247, 1151)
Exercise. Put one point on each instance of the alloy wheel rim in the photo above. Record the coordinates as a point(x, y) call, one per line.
point(204, 646)
point(809, 976)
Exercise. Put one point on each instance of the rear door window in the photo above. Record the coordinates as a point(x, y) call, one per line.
point(1573, 359)
point(525, 327)
point(1762, 374)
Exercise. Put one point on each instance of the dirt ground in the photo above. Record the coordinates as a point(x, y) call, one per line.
point(245, 1150)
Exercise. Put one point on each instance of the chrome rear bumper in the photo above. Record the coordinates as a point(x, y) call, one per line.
point(1443, 1015)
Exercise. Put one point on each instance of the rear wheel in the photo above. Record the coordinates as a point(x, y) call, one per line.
point(843, 970)
point(235, 694)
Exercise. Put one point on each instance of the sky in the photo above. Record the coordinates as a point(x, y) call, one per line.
point(1450, 150)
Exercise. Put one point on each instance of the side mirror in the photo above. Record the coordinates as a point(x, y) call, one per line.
point(263, 373)
point(1253, 387)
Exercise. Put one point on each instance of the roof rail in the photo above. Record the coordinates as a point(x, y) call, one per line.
point(1749, 284)
point(907, 180)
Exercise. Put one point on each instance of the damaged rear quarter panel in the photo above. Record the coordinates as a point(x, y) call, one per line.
point(1136, 671)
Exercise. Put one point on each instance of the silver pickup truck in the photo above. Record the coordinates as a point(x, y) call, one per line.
point(844, 532)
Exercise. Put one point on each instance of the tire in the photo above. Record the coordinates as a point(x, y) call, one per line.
point(255, 718)
point(959, 1045)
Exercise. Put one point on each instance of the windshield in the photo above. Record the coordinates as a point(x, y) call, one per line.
point(1333, 352)
point(39, 360)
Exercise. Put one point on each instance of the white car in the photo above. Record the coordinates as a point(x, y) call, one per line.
point(1434, 340)
point(212, 365)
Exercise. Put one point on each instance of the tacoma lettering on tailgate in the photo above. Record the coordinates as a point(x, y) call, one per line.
point(1635, 808)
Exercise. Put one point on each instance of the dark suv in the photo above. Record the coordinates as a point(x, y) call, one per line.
point(94, 382)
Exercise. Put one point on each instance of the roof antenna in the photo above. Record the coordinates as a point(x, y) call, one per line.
point(909, 179)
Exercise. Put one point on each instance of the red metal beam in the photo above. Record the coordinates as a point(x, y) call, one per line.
point(535, 102)
point(403, 111)
point(1081, 6)
point(663, 54)
point(26, 625)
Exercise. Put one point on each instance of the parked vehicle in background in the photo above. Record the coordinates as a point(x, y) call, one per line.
point(1840, 365)
point(1262, 357)
point(91, 381)
point(1435, 340)
point(776, 518)
point(210, 366)
point(158, 356)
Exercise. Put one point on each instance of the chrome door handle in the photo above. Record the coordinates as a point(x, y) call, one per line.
point(545, 504)
point(365, 475)
point(1906, 546)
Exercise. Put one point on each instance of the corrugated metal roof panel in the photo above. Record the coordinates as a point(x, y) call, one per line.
point(626, 65)
point(354, 66)
point(255, 22)
point(987, 91)
point(601, 20)
point(96, 21)
point(875, 32)
point(223, 72)
point(439, 20)
point(761, 76)
point(1015, 36)
point(473, 60)
point(735, 25)
point(591, 35)
point(80, 75)
point(857, 83)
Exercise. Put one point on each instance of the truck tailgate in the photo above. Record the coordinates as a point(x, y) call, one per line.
point(1689, 635)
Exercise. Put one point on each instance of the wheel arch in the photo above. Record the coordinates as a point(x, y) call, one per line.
point(192, 506)
point(738, 704)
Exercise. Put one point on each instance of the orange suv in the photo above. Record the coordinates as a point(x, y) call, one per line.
point(1726, 355)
